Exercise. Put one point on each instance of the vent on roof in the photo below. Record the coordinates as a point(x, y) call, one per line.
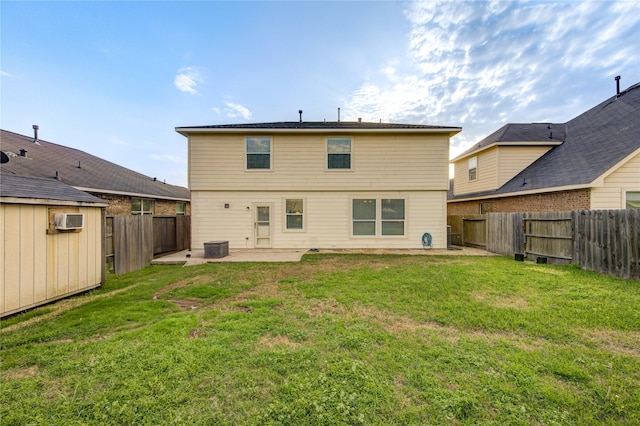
point(68, 221)
point(617, 85)
point(35, 133)
point(300, 112)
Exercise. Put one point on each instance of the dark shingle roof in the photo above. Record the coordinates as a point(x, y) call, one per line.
point(322, 125)
point(44, 159)
point(595, 141)
point(516, 133)
point(42, 188)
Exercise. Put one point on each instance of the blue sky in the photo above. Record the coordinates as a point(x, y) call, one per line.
point(115, 78)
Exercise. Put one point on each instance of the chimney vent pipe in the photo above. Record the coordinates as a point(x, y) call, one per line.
point(35, 133)
point(300, 112)
point(617, 85)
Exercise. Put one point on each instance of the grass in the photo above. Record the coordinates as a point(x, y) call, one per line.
point(334, 339)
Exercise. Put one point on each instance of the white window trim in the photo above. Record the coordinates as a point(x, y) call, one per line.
point(246, 153)
point(326, 154)
point(624, 196)
point(304, 215)
point(469, 168)
point(378, 219)
point(143, 211)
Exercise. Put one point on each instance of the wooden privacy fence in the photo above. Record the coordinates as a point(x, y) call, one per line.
point(132, 241)
point(607, 241)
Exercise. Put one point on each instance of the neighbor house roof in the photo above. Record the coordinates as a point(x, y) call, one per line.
point(320, 126)
point(80, 169)
point(27, 187)
point(520, 134)
point(594, 142)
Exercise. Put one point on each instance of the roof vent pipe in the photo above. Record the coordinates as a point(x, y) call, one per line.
point(617, 85)
point(300, 112)
point(338, 115)
point(35, 133)
point(23, 153)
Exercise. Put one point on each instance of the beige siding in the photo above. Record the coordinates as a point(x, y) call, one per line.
point(513, 159)
point(379, 162)
point(487, 173)
point(37, 267)
point(327, 219)
point(611, 195)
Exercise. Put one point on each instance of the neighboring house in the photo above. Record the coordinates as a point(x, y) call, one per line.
point(318, 184)
point(126, 191)
point(592, 162)
point(39, 260)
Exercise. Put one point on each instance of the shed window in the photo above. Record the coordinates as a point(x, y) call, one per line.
point(141, 206)
point(473, 168)
point(633, 200)
point(259, 153)
point(339, 153)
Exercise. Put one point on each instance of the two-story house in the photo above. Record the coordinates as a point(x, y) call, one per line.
point(591, 162)
point(318, 184)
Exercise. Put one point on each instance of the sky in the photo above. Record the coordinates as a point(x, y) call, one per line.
point(116, 78)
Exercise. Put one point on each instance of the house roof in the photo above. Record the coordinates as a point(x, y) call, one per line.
point(324, 126)
point(13, 186)
point(595, 141)
point(80, 169)
point(519, 134)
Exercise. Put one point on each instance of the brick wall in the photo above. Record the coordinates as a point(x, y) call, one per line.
point(547, 202)
point(121, 205)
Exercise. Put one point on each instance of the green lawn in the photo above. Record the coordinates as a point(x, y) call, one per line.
point(334, 339)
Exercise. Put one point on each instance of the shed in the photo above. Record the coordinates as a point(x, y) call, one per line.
point(53, 242)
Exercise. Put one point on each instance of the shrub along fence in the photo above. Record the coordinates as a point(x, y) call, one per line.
point(133, 241)
point(607, 241)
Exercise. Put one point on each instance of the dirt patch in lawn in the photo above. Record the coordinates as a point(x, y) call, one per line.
point(620, 342)
point(270, 341)
point(20, 373)
point(506, 301)
point(198, 279)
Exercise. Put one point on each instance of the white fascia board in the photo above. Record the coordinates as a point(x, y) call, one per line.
point(49, 202)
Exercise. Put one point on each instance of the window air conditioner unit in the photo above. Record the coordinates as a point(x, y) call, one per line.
point(67, 221)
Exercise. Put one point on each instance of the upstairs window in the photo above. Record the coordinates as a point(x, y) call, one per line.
point(141, 206)
point(473, 168)
point(633, 200)
point(258, 153)
point(295, 214)
point(339, 153)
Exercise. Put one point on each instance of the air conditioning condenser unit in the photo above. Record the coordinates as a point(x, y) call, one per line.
point(69, 221)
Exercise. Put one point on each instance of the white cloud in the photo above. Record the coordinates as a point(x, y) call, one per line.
point(176, 159)
point(6, 74)
point(187, 80)
point(233, 110)
point(482, 64)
